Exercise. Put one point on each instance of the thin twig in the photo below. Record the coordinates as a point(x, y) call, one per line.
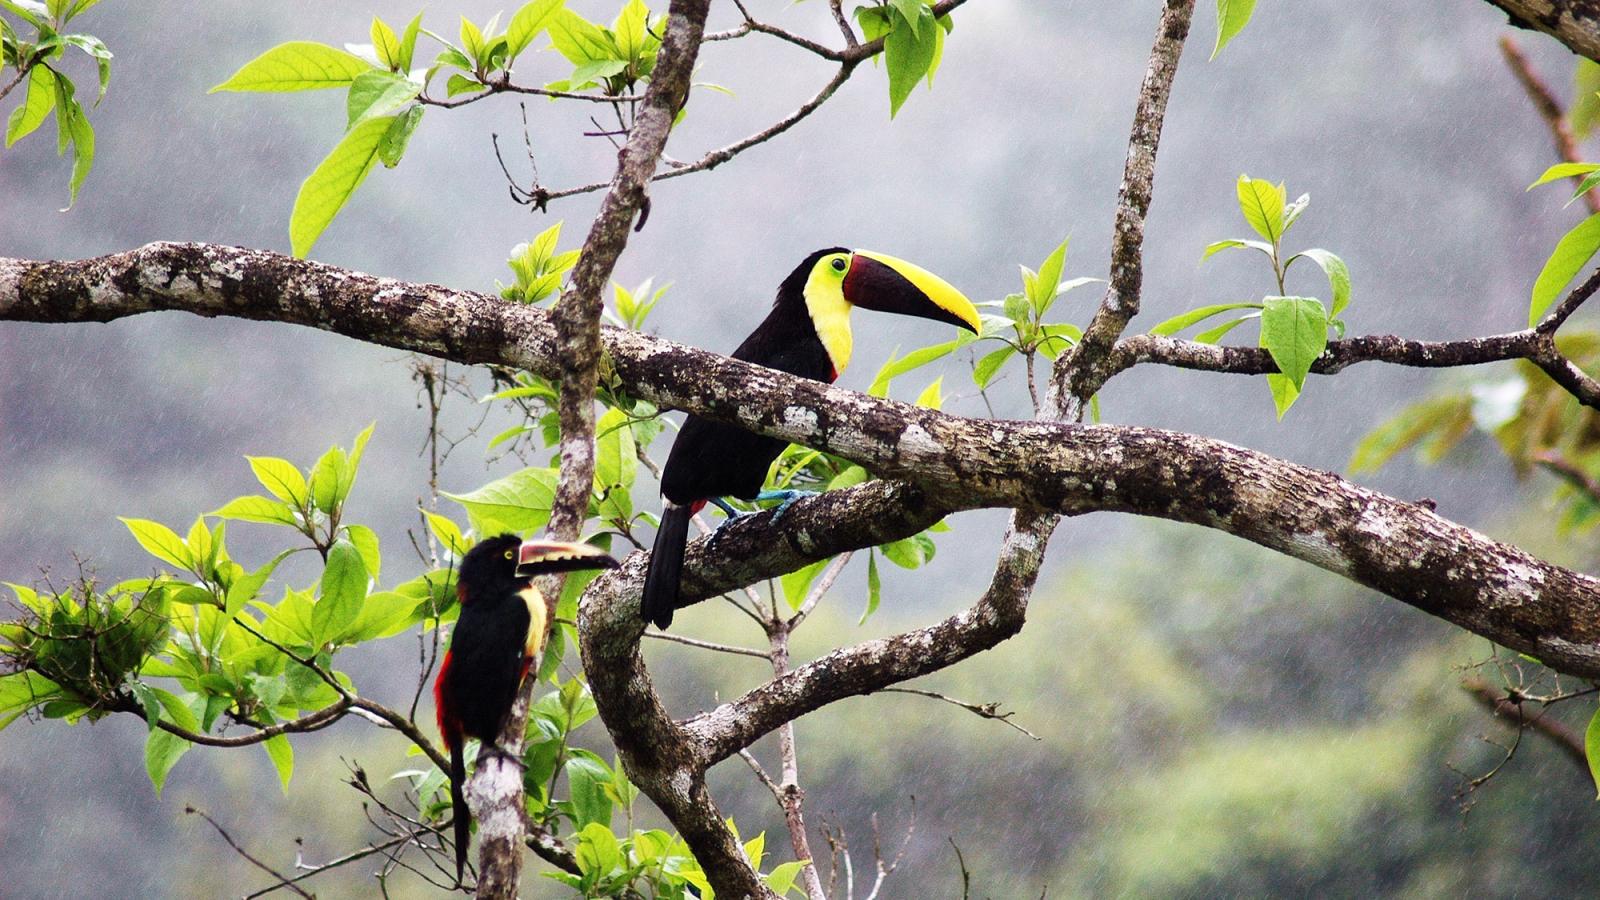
point(1509, 706)
point(282, 879)
point(989, 710)
point(704, 645)
point(823, 585)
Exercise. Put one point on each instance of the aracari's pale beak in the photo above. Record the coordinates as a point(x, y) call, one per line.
point(536, 557)
point(881, 282)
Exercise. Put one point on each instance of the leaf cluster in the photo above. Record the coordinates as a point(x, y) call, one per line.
point(50, 90)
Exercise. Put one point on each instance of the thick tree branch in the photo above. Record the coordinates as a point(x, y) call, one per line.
point(1395, 547)
point(1575, 23)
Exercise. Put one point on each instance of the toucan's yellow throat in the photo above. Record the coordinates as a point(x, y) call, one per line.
point(841, 279)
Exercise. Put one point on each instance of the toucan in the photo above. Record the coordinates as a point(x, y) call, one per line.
point(500, 632)
point(807, 333)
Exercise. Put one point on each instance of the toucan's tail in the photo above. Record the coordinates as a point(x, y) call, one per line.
point(458, 805)
point(666, 565)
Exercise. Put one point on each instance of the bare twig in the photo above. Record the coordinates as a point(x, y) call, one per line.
point(1508, 705)
point(283, 880)
point(705, 645)
point(990, 710)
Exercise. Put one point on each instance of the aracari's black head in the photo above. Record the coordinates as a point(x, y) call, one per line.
point(490, 569)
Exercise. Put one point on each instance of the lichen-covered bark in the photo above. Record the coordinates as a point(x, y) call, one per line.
point(1395, 547)
point(1575, 23)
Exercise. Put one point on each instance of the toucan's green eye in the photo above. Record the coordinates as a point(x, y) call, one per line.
point(838, 264)
point(511, 554)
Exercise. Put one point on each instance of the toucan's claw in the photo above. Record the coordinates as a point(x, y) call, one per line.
point(733, 516)
point(725, 506)
point(788, 497)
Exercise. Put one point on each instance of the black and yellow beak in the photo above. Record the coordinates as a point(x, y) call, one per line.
point(544, 557)
point(881, 282)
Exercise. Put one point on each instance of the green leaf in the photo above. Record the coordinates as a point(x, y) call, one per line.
point(1262, 204)
point(327, 188)
point(280, 478)
point(281, 752)
point(874, 587)
point(245, 587)
point(378, 93)
point(1591, 746)
point(1049, 278)
point(932, 396)
point(366, 543)
point(1232, 16)
point(161, 542)
point(630, 29)
point(586, 780)
point(256, 508)
point(96, 48)
point(386, 44)
point(797, 583)
point(1560, 171)
point(578, 39)
point(162, 750)
point(1572, 253)
point(1406, 429)
point(344, 587)
point(782, 877)
point(907, 53)
point(1581, 115)
point(40, 100)
point(328, 487)
point(297, 66)
point(30, 11)
point(911, 12)
point(408, 44)
point(909, 553)
point(984, 371)
point(1213, 335)
point(916, 359)
point(1284, 393)
point(447, 533)
point(519, 502)
point(383, 614)
point(82, 147)
point(1184, 320)
point(1294, 330)
point(393, 145)
point(1338, 276)
point(531, 19)
point(1216, 247)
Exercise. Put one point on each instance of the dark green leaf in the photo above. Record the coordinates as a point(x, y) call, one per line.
point(586, 779)
point(984, 371)
point(344, 587)
point(376, 92)
point(874, 587)
point(393, 145)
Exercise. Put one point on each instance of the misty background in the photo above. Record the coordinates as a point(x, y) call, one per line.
point(1213, 719)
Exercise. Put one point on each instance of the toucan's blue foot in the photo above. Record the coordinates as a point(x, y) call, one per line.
point(787, 496)
point(733, 516)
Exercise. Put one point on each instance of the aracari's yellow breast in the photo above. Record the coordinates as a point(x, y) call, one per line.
point(533, 644)
point(830, 315)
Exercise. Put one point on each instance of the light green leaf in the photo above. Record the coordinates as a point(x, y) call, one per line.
point(1284, 393)
point(1585, 108)
point(325, 191)
point(907, 52)
point(797, 583)
point(408, 43)
point(297, 66)
point(586, 781)
point(1295, 331)
point(33, 12)
point(1591, 746)
point(1213, 335)
point(916, 359)
point(161, 542)
point(531, 19)
point(256, 508)
point(82, 147)
point(328, 487)
point(280, 477)
point(911, 12)
point(378, 93)
point(1216, 247)
point(932, 396)
point(344, 587)
point(578, 39)
point(384, 614)
point(1184, 320)
point(162, 751)
point(40, 100)
point(281, 752)
point(447, 533)
point(1572, 253)
point(782, 877)
point(1338, 275)
point(1262, 204)
point(520, 501)
point(1048, 279)
point(394, 142)
point(874, 587)
point(1232, 16)
point(366, 543)
point(1560, 171)
point(984, 370)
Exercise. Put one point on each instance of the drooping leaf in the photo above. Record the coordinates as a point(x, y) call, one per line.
point(908, 52)
point(1338, 276)
point(393, 144)
point(297, 66)
point(376, 92)
point(1581, 115)
point(1591, 746)
point(35, 107)
point(281, 752)
point(874, 587)
point(1295, 331)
